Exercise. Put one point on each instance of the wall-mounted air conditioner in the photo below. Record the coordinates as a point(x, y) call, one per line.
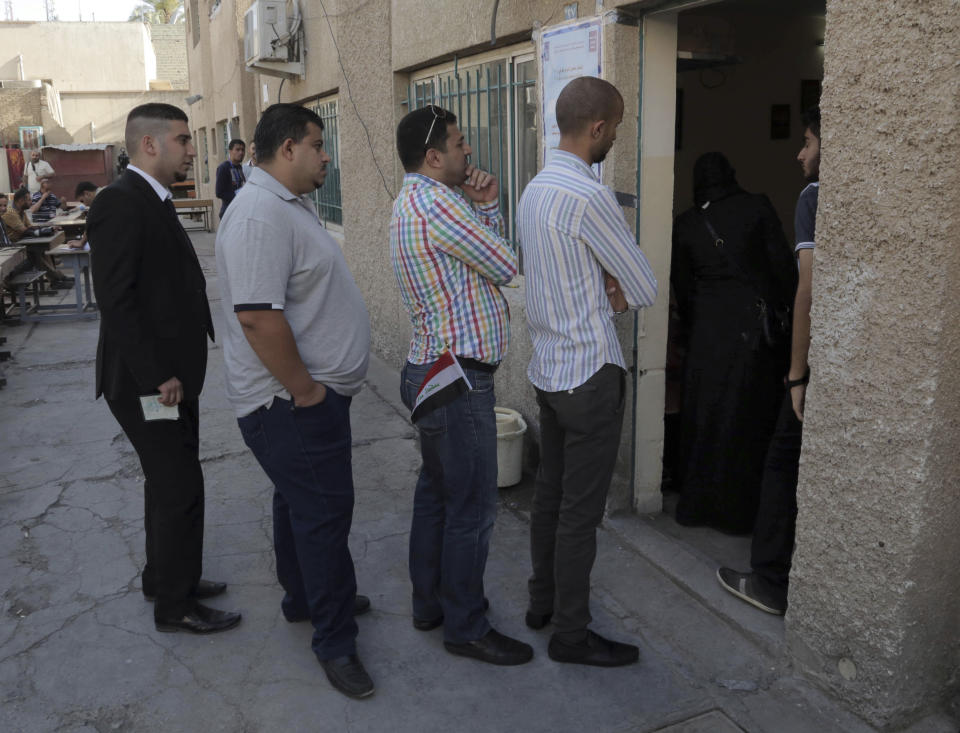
point(272, 40)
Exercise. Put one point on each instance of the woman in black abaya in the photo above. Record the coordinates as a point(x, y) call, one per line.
point(733, 377)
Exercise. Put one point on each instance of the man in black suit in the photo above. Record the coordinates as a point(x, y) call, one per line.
point(152, 355)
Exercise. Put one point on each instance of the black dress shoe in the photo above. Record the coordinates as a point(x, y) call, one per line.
point(537, 620)
point(199, 620)
point(361, 604)
point(348, 675)
point(494, 648)
point(204, 589)
point(429, 624)
point(593, 650)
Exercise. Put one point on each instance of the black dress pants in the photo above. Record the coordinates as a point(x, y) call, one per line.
point(775, 528)
point(169, 452)
point(579, 442)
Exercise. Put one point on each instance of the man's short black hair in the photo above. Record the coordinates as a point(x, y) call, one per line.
point(585, 100)
point(143, 120)
point(412, 132)
point(83, 187)
point(282, 122)
point(20, 194)
point(3, 196)
point(235, 142)
point(811, 121)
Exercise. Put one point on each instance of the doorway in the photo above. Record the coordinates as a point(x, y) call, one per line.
point(744, 72)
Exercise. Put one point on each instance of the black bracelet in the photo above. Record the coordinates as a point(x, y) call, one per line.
point(805, 379)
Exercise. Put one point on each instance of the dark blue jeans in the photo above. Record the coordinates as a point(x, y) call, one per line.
point(454, 506)
point(306, 453)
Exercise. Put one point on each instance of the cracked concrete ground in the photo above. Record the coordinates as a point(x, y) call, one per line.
point(78, 651)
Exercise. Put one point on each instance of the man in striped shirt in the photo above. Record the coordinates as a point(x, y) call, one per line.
point(582, 265)
point(450, 258)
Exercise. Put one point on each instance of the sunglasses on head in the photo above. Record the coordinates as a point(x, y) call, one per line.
point(439, 113)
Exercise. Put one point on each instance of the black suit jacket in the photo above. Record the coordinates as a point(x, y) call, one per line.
point(154, 314)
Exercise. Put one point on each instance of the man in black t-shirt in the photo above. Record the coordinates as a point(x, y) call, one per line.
point(775, 528)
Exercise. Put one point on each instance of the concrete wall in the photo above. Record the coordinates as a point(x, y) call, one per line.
point(76, 55)
point(875, 582)
point(107, 112)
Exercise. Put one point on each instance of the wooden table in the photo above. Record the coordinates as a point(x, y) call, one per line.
point(72, 220)
point(10, 257)
point(196, 206)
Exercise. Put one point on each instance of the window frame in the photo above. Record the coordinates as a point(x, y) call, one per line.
point(325, 199)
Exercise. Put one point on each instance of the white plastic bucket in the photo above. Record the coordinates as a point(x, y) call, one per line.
point(510, 430)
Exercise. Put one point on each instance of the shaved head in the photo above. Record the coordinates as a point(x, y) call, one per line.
point(149, 119)
point(584, 100)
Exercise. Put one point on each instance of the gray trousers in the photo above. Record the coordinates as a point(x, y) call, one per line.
point(580, 437)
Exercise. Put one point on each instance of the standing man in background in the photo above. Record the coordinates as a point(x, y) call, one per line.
point(582, 266)
point(230, 175)
point(34, 170)
point(152, 358)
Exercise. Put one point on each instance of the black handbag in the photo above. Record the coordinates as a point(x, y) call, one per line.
point(775, 322)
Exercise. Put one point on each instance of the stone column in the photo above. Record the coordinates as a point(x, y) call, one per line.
point(876, 578)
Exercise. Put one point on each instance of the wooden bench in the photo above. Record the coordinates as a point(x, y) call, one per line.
point(196, 206)
point(26, 281)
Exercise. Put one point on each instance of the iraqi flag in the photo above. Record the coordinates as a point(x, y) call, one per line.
point(444, 382)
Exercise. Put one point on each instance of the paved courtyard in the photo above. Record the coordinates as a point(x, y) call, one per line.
point(78, 651)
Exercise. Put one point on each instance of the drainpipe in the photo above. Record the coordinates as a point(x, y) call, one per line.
point(20, 66)
point(636, 314)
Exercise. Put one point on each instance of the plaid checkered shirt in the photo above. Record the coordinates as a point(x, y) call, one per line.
point(450, 258)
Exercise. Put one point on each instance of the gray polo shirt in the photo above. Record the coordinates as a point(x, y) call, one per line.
point(273, 254)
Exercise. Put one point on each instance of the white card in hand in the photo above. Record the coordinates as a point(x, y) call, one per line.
point(154, 410)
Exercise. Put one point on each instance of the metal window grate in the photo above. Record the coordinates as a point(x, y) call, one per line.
point(327, 199)
point(495, 104)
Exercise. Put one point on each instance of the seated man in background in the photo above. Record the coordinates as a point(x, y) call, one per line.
point(84, 193)
point(4, 237)
point(45, 203)
point(17, 226)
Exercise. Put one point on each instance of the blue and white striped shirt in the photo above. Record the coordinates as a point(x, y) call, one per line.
point(571, 231)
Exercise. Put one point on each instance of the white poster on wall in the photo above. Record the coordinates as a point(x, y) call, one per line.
point(566, 52)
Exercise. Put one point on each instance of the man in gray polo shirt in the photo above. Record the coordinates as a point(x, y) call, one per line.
point(296, 351)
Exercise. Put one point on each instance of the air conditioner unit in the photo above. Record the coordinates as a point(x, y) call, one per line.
point(265, 31)
point(272, 40)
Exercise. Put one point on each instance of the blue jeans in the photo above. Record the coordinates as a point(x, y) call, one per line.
point(306, 453)
point(454, 505)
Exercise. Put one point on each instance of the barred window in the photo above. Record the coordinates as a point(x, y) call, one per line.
point(495, 100)
point(327, 198)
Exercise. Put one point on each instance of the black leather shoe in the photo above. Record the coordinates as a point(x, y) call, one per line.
point(204, 589)
point(537, 620)
point(361, 604)
point(593, 650)
point(199, 620)
point(494, 648)
point(429, 624)
point(348, 675)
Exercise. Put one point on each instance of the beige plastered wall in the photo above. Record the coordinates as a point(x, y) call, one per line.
point(875, 582)
point(101, 116)
point(75, 55)
point(381, 43)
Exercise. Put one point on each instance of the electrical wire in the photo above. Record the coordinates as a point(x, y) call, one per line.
point(356, 111)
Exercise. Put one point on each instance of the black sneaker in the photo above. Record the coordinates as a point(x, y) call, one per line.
point(749, 587)
point(592, 650)
point(348, 675)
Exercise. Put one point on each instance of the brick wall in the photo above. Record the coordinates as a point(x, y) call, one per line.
point(18, 107)
point(170, 47)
